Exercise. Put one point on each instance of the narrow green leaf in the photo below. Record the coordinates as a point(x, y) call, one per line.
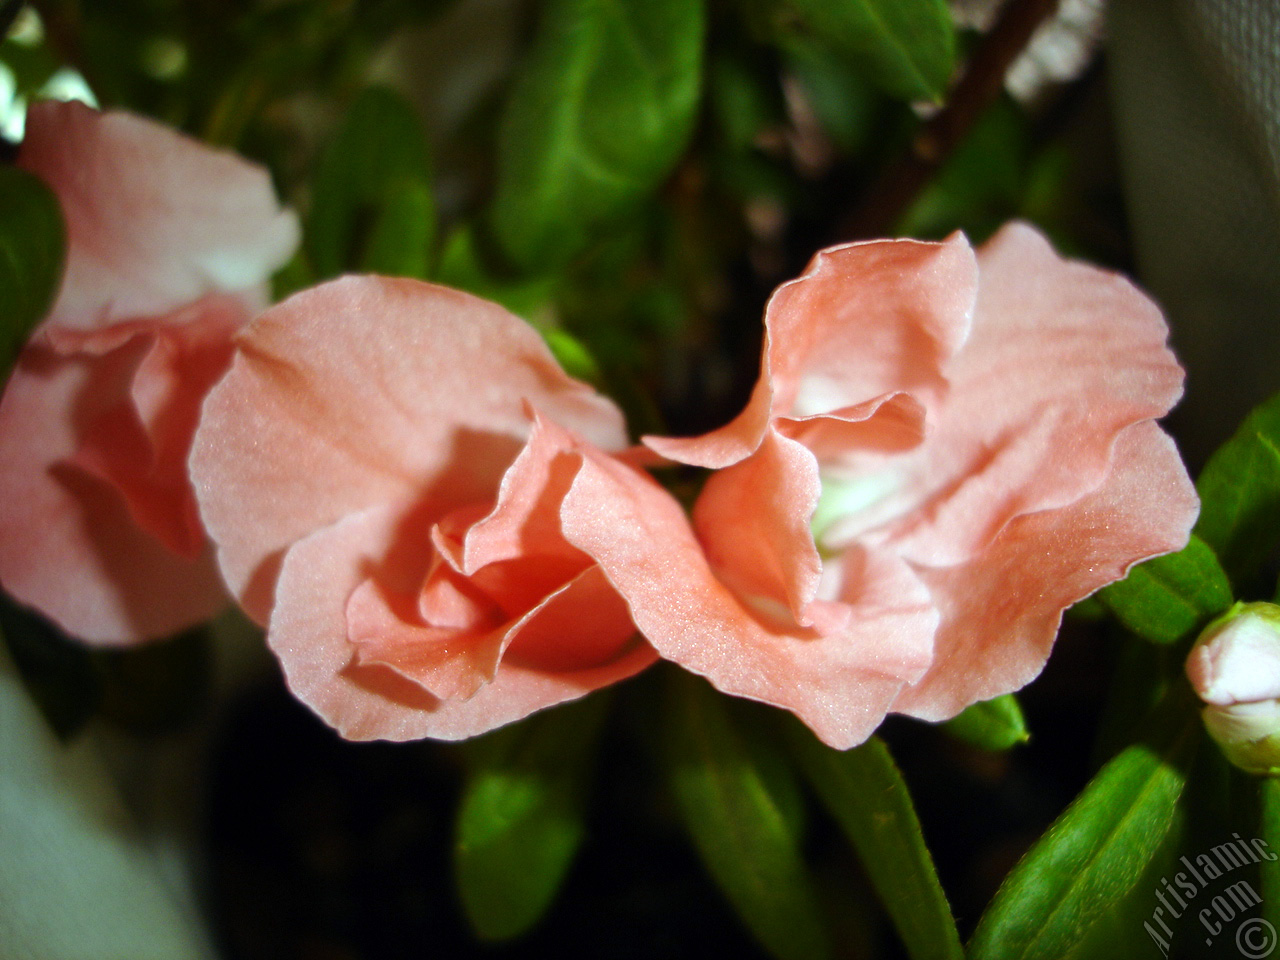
point(991, 724)
point(738, 805)
point(1171, 597)
point(866, 794)
point(907, 47)
point(596, 119)
point(32, 253)
point(1096, 852)
point(520, 820)
point(1240, 494)
point(399, 241)
point(372, 191)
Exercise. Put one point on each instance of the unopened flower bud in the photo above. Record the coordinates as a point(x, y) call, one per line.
point(1235, 669)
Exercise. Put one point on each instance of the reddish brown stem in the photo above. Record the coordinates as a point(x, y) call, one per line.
point(891, 194)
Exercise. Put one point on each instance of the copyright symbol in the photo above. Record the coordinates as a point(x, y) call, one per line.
point(1255, 938)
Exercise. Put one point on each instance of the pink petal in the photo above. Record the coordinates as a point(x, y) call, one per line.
point(521, 591)
point(1001, 611)
point(448, 662)
point(68, 543)
point(154, 219)
point(865, 320)
point(308, 633)
point(367, 391)
point(139, 443)
point(840, 685)
point(525, 521)
point(753, 521)
point(1061, 358)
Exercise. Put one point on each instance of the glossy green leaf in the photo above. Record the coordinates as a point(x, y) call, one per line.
point(996, 724)
point(32, 253)
point(371, 206)
point(738, 804)
point(865, 793)
point(1240, 494)
point(598, 116)
point(521, 818)
point(907, 47)
point(1167, 599)
point(1096, 852)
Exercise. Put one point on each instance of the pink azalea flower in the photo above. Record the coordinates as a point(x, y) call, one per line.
point(169, 247)
point(387, 471)
point(942, 453)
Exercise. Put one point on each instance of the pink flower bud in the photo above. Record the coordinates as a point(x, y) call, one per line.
point(1235, 669)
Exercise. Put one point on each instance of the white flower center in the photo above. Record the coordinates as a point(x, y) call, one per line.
point(849, 506)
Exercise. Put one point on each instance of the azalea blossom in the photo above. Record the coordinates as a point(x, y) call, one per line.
point(169, 246)
point(942, 453)
point(388, 470)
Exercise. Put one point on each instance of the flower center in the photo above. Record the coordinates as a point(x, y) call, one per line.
point(850, 505)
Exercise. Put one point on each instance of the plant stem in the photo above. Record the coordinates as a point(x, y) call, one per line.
point(883, 204)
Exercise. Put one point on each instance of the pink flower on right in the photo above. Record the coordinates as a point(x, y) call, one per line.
point(943, 452)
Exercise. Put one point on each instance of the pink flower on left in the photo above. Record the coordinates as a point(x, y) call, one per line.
point(169, 247)
point(390, 471)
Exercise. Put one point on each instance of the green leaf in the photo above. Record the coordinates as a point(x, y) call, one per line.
point(865, 793)
point(847, 105)
point(520, 820)
point(33, 244)
point(598, 116)
point(463, 265)
point(1240, 494)
point(1269, 802)
point(572, 354)
point(1171, 597)
point(372, 207)
point(1096, 852)
point(738, 803)
point(907, 47)
point(995, 724)
point(399, 242)
point(77, 878)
